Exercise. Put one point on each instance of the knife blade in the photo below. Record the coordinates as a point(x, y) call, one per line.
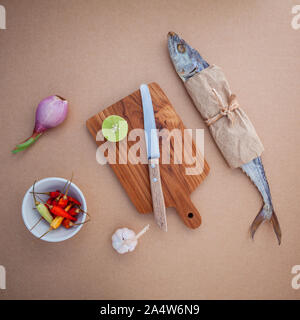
point(152, 145)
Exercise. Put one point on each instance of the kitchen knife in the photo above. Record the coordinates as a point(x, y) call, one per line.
point(159, 208)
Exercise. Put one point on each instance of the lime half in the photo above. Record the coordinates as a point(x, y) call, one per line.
point(114, 128)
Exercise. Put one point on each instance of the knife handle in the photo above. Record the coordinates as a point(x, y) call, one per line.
point(159, 208)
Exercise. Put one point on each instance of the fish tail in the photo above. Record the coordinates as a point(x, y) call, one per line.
point(276, 227)
point(263, 216)
point(259, 219)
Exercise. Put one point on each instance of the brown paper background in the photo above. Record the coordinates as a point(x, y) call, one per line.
point(96, 52)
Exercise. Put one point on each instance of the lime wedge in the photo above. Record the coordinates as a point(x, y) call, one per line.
point(114, 128)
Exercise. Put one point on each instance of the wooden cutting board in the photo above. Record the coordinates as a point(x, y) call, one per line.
point(177, 185)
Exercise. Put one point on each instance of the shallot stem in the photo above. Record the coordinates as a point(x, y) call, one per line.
point(27, 143)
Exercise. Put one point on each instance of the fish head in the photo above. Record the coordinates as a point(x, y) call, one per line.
point(186, 60)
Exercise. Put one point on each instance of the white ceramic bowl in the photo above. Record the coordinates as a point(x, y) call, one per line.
point(31, 215)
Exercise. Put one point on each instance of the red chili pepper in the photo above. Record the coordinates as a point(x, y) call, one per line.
point(54, 203)
point(67, 223)
point(68, 207)
point(58, 211)
point(74, 201)
point(54, 194)
point(63, 202)
point(74, 211)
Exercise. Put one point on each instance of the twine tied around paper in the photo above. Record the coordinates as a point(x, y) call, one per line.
point(227, 111)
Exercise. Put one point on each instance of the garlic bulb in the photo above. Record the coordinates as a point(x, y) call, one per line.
point(125, 240)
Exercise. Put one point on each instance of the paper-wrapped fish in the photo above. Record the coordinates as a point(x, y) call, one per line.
point(228, 123)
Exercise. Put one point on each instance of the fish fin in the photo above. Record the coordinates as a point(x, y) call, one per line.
point(276, 227)
point(257, 222)
point(260, 218)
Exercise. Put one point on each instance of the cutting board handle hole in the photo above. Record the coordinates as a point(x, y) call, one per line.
point(190, 215)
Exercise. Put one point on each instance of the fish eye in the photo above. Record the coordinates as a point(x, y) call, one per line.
point(181, 48)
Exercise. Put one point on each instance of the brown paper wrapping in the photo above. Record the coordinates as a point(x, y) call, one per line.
point(234, 133)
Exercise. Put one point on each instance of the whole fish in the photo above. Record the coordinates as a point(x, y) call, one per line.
point(187, 62)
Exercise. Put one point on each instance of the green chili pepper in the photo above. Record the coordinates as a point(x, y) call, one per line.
point(42, 209)
point(44, 212)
